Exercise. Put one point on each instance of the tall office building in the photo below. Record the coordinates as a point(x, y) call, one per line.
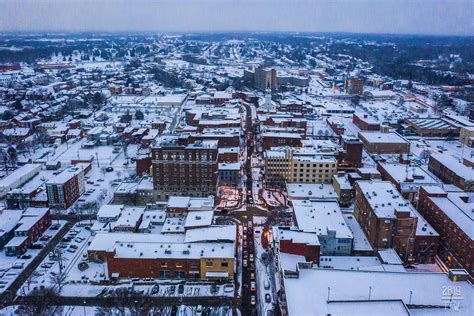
point(182, 168)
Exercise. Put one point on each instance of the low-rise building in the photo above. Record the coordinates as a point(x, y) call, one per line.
point(229, 173)
point(432, 127)
point(384, 143)
point(365, 122)
point(324, 218)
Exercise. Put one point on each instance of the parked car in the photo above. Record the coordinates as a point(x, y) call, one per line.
point(244, 263)
point(266, 285)
point(251, 257)
point(199, 310)
point(109, 169)
point(45, 238)
point(268, 298)
point(253, 286)
point(26, 257)
point(253, 300)
point(55, 227)
point(18, 265)
point(252, 276)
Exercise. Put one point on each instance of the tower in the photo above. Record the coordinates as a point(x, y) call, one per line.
point(268, 98)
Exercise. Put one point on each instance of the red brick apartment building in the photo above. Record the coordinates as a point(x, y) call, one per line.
point(451, 171)
point(389, 221)
point(33, 223)
point(451, 214)
point(184, 169)
point(64, 189)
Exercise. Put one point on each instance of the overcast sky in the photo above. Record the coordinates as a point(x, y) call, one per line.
point(359, 16)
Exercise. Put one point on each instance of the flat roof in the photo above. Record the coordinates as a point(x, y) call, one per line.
point(110, 210)
point(350, 285)
point(147, 250)
point(379, 137)
point(320, 217)
point(199, 219)
point(296, 236)
point(311, 190)
point(460, 212)
point(454, 165)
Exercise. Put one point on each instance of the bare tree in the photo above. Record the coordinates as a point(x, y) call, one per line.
point(134, 302)
point(58, 279)
point(40, 302)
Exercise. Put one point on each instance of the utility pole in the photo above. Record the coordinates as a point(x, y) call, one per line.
point(97, 156)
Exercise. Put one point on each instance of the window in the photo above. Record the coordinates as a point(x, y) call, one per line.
point(164, 274)
point(209, 264)
point(224, 264)
point(179, 274)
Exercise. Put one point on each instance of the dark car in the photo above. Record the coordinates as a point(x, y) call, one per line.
point(252, 266)
point(109, 169)
point(268, 298)
point(55, 227)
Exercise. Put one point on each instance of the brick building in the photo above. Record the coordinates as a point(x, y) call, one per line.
point(364, 122)
point(407, 179)
point(451, 214)
point(384, 143)
point(206, 253)
point(270, 139)
point(432, 127)
point(350, 157)
point(184, 169)
point(451, 171)
point(64, 189)
point(389, 221)
point(33, 223)
point(295, 242)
